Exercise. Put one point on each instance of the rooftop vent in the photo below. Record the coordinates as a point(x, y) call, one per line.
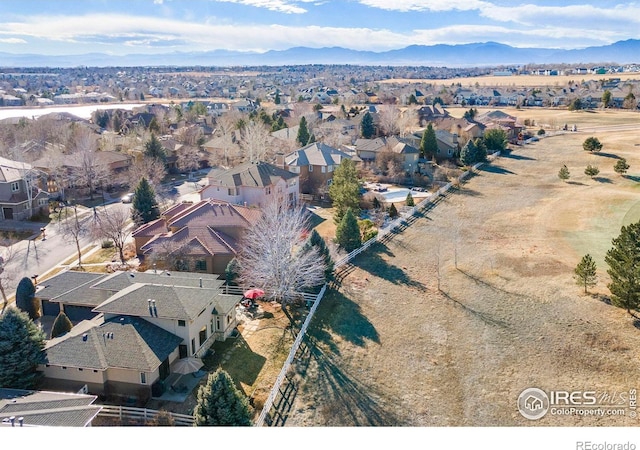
point(85, 337)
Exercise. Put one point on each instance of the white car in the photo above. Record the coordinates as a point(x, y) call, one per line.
point(127, 198)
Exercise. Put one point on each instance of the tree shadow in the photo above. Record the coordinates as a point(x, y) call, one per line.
point(244, 365)
point(377, 266)
point(496, 169)
point(577, 183)
point(606, 155)
point(512, 155)
point(314, 219)
point(340, 315)
point(603, 180)
point(635, 178)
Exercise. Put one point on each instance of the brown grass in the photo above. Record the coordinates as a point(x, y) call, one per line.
point(449, 321)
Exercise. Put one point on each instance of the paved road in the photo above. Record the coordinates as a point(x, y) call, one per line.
point(38, 256)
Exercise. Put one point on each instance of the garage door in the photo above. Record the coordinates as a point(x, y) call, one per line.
point(78, 313)
point(50, 309)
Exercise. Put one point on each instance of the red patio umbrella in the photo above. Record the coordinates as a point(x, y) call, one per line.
point(253, 293)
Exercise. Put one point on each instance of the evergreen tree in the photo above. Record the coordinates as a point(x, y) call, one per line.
point(21, 350)
point(468, 154)
point(315, 240)
point(495, 140)
point(277, 99)
point(153, 148)
point(345, 190)
point(348, 232)
point(221, 403)
point(621, 166)
point(592, 144)
point(61, 325)
point(367, 130)
point(481, 150)
point(25, 298)
point(591, 171)
point(623, 260)
point(428, 143)
point(564, 174)
point(585, 272)
point(144, 206)
point(409, 201)
point(303, 132)
point(393, 212)
point(376, 203)
point(231, 272)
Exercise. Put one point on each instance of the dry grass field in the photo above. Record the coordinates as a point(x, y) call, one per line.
point(446, 323)
point(518, 80)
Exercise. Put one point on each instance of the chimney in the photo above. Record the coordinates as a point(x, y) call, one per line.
point(154, 268)
point(280, 160)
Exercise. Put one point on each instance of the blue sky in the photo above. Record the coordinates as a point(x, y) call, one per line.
point(158, 26)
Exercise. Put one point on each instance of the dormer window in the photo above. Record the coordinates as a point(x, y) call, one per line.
point(15, 187)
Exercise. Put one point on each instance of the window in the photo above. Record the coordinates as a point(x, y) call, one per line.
point(42, 202)
point(182, 323)
point(218, 323)
point(202, 335)
point(201, 264)
point(15, 187)
point(324, 169)
point(267, 190)
point(95, 371)
point(228, 319)
point(450, 152)
point(330, 168)
point(193, 346)
point(310, 168)
point(294, 169)
point(232, 192)
point(80, 369)
point(64, 367)
point(212, 327)
point(143, 378)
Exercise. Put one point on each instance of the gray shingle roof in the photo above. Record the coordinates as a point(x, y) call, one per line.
point(172, 302)
point(253, 174)
point(39, 408)
point(136, 344)
point(65, 282)
point(315, 154)
point(121, 280)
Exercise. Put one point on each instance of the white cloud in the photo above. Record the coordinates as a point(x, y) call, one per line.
point(12, 41)
point(283, 6)
point(424, 5)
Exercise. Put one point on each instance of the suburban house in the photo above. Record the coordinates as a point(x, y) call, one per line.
point(429, 113)
point(150, 320)
point(369, 149)
point(200, 237)
point(448, 143)
point(253, 183)
point(314, 163)
point(502, 121)
point(21, 193)
point(20, 408)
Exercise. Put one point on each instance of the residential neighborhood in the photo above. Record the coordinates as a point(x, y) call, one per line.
point(197, 230)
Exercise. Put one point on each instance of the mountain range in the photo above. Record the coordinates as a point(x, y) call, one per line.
point(441, 55)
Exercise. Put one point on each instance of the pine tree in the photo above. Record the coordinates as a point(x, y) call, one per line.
point(564, 174)
point(153, 149)
point(303, 132)
point(21, 350)
point(348, 232)
point(591, 171)
point(585, 272)
point(393, 212)
point(144, 206)
point(315, 240)
point(623, 260)
point(345, 190)
point(231, 272)
point(376, 203)
point(25, 298)
point(221, 403)
point(367, 130)
point(468, 153)
point(277, 99)
point(409, 201)
point(621, 166)
point(61, 325)
point(592, 144)
point(428, 143)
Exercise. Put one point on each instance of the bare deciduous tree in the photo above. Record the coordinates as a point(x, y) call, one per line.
point(389, 115)
point(113, 224)
point(271, 255)
point(150, 168)
point(88, 169)
point(254, 141)
point(7, 254)
point(407, 122)
point(188, 158)
point(71, 228)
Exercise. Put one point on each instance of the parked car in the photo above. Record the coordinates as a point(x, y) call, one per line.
point(128, 198)
point(418, 189)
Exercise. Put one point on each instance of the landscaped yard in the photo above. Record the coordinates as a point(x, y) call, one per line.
point(447, 323)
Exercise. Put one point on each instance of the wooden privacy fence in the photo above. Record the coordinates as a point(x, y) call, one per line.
point(402, 220)
point(143, 414)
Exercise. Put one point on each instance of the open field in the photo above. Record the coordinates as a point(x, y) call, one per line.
point(445, 324)
point(517, 80)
